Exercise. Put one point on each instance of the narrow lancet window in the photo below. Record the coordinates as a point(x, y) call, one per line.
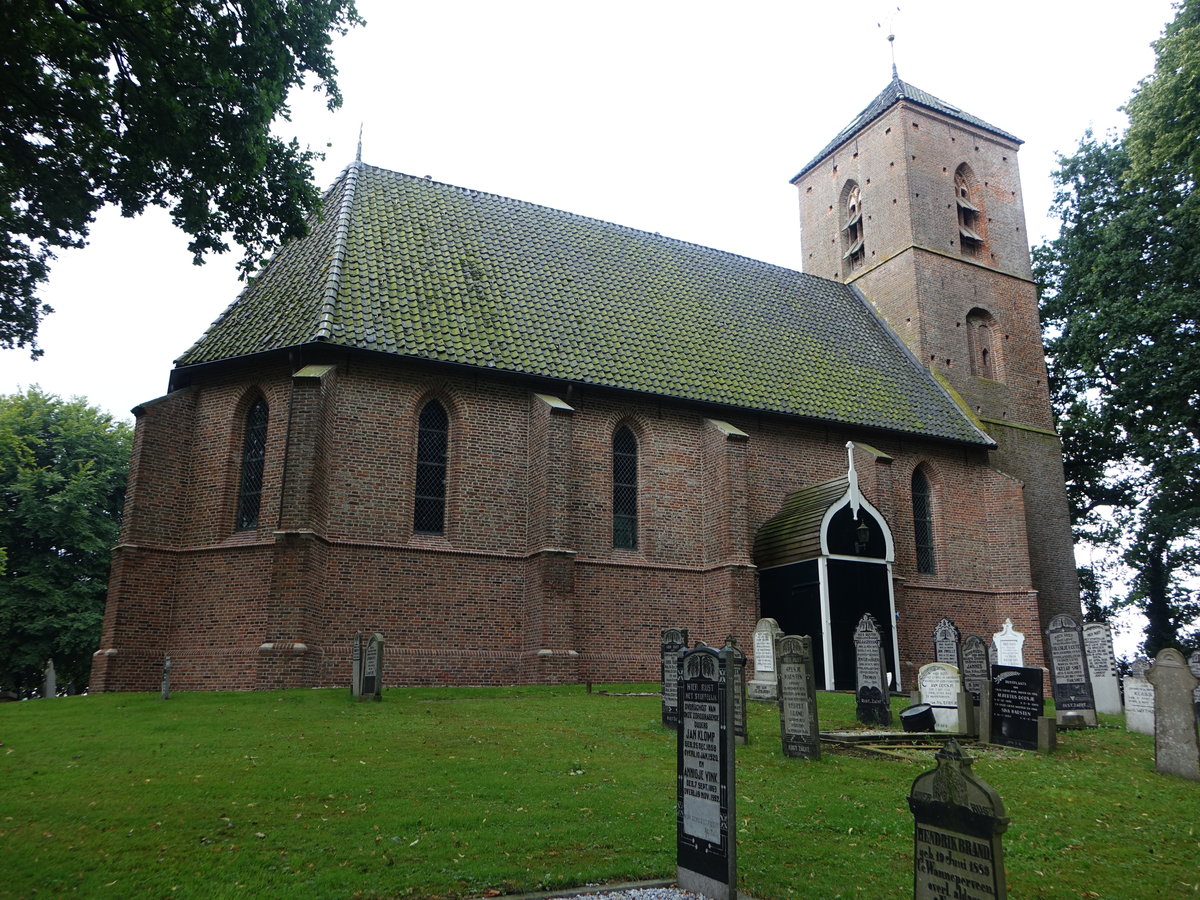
point(853, 238)
point(625, 489)
point(922, 501)
point(254, 447)
point(433, 438)
point(969, 237)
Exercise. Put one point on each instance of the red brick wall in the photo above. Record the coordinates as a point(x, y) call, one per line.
point(524, 585)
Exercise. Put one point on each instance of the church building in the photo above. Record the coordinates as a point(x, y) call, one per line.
point(520, 442)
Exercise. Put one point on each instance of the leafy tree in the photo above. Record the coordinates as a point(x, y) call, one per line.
point(1121, 312)
point(158, 103)
point(63, 466)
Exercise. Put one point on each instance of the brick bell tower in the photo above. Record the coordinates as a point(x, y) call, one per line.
point(918, 204)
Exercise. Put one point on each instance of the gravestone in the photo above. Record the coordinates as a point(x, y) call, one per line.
point(1139, 704)
point(1194, 666)
point(797, 697)
point(1176, 748)
point(959, 820)
point(739, 690)
point(1017, 704)
point(940, 684)
point(1069, 671)
point(50, 683)
point(356, 665)
point(706, 846)
point(372, 672)
point(765, 684)
point(974, 666)
point(166, 679)
point(1102, 667)
point(873, 706)
point(946, 639)
point(1140, 666)
point(673, 645)
point(1009, 644)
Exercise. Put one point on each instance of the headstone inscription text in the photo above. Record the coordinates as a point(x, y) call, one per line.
point(1139, 704)
point(873, 702)
point(940, 685)
point(764, 685)
point(1102, 667)
point(959, 820)
point(1017, 704)
point(673, 644)
point(797, 697)
point(705, 851)
point(974, 666)
point(1068, 669)
point(1009, 645)
point(946, 638)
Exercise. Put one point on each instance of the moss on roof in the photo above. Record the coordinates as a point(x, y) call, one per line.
point(416, 268)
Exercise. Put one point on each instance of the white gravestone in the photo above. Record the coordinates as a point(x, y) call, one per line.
point(765, 684)
point(1102, 667)
point(1139, 704)
point(1194, 666)
point(940, 685)
point(1009, 645)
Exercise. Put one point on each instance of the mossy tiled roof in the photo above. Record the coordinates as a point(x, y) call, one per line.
point(896, 91)
point(416, 268)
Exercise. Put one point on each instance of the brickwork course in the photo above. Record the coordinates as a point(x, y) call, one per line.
point(751, 390)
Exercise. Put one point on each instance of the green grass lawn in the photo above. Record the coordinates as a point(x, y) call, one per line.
point(463, 792)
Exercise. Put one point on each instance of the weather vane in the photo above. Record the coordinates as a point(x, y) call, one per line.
point(889, 26)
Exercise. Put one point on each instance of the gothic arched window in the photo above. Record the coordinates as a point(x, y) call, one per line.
point(853, 238)
point(433, 438)
point(625, 490)
point(922, 502)
point(970, 237)
point(254, 447)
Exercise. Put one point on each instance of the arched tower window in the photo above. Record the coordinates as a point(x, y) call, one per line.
point(922, 501)
point(625, 464)
point(981, 333)
point(254, 451)
point(853, 238)
point(967, 202)
point(433, 437)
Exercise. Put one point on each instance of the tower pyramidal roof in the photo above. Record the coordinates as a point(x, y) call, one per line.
point(895, 92)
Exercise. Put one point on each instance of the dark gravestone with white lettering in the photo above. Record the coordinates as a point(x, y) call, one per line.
point(706, 845)
point(1069, 671)
point(739, 690)
point(1017, 704)
point(372, 678)
point(797, 697)
point(1176, 748)
point(356, 665)
point(674, 643)
point(957, 851)
point(873, 701)
point(974, 666)
point(946, 638)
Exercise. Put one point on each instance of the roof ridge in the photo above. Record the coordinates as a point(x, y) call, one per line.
point(630, 229)
point(338, 254)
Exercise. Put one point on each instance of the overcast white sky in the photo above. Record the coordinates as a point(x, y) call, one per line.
point(685, 118)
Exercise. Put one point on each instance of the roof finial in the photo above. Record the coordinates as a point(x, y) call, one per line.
point(358, 153)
